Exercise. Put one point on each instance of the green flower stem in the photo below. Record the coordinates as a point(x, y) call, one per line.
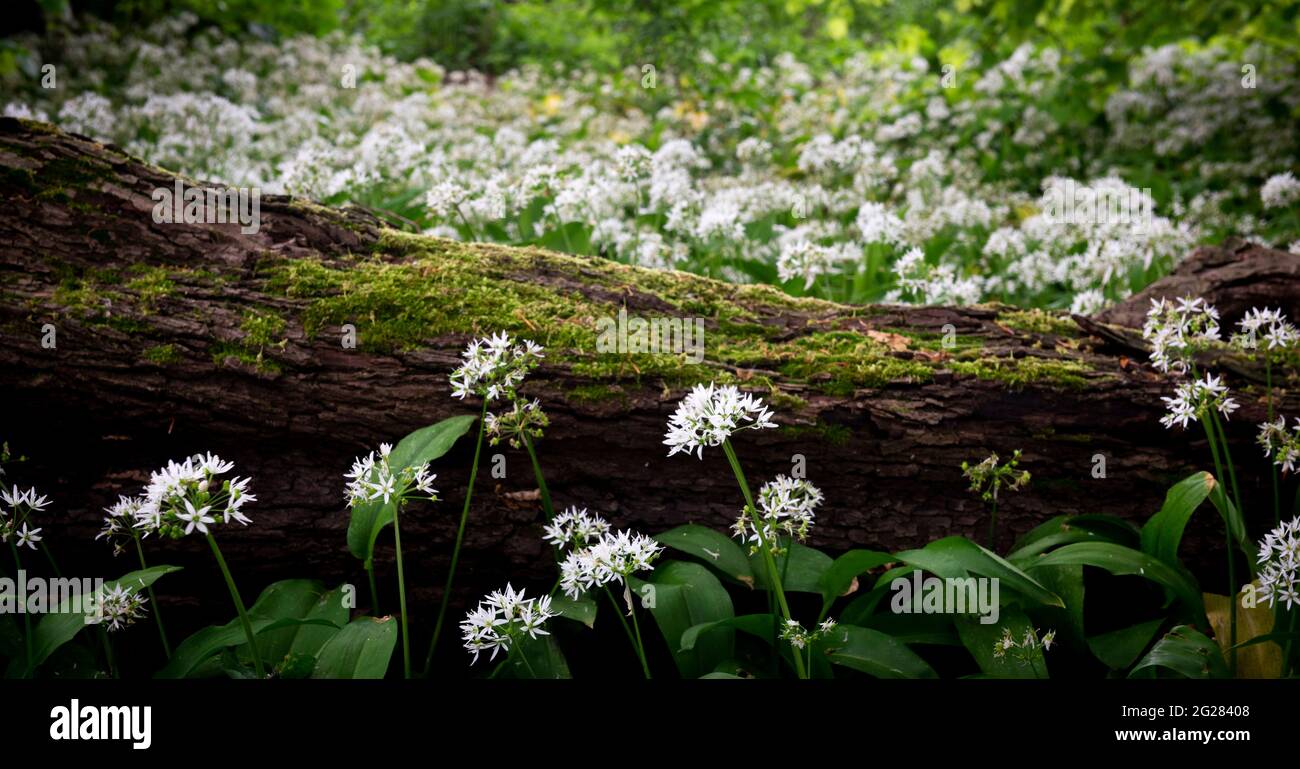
point(153, 601)
point(460, 537)
point(1286, 649)
point(401, 594)
point(1232, 546)
point(374, 590)
point(27, 617)
point(514, 647)
point(473, 236)
point(541, 482)
point(239, 606)
point(768, 561)
point(640, 645)
point(1277, 499)
point(49, 556)
point(993, 525)
point(635, 640)
point(108, 652)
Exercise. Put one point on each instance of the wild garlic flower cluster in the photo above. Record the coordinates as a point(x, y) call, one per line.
point(1279, 444)
point(575, 528)
point(914, 175)
point(185, 497)
point(1195, 399)
point(1023, 650)
point(16, 507)
point(708, 416)
point(374, 478)
point(524, 420)
point(503, 617)
point(1279, 559)
point(119, 523)
point(1177, 330)
point(610, 559)
point(117, 608)
point(1270, 326)
point(988, 477)
point(494, 366)
point(800, 638)
point(785, 506)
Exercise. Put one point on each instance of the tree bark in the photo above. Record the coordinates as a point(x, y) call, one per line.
point(155, 357)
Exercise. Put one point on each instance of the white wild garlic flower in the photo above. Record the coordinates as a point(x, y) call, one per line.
point(785, 506)
point(373, 478)
point(709, 414)
point(1279, 557)
point(501, 618)
point(185, 497)
point(575, 528)
point(612, 558)
point(494, 366)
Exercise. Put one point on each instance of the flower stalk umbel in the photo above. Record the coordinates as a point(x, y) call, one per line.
point(185, 498)
point(707, 417)
point(1025, 651)
point(16, 508)
point(493, 368)
point(375, 479)
point(801, 641)
point(987, 479)
point(501, 620)
point(1177, 332)
point(611, 559)
point(1279, 583)
point(120, 532)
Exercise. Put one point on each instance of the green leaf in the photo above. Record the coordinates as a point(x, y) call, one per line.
point(804, 571)
point(423, 445)
point(1119, 648)
point(711, 547)
point(281, 606)
point(684, 595)
point(1232, 520)
point(1065, 530)
point(1186, 651)
point(838, 579)
point(873, 652)
point(63, 624)
point(1121, 560)
point(958, 557)
point(758, 625)
point(538, 658)
point(362, 649)
point(581, 610)
point(1164, 531)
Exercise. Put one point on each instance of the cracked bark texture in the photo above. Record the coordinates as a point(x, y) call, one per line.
point(97, 413)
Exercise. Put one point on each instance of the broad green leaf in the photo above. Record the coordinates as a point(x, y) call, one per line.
point(581, 610)
point(1065, 530)
point(1233, 521)
point(929, 629)
point(684, 595)
point(63, 624)
point(957, 557)
point(292, 599)
point(1186, 651)
point(711, 547)
point(981, 639)
point(1121, 560)
point(1164, 531)
point(859, 609)
point(362, 649)
point(873, 652)
point(758, 625)
point(839, 579)
point(1119, 648)
point(801, 567)
point(538, 657)
point(281, 606)
point(423, 445)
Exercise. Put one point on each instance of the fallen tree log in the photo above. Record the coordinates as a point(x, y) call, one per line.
point(128, 342)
